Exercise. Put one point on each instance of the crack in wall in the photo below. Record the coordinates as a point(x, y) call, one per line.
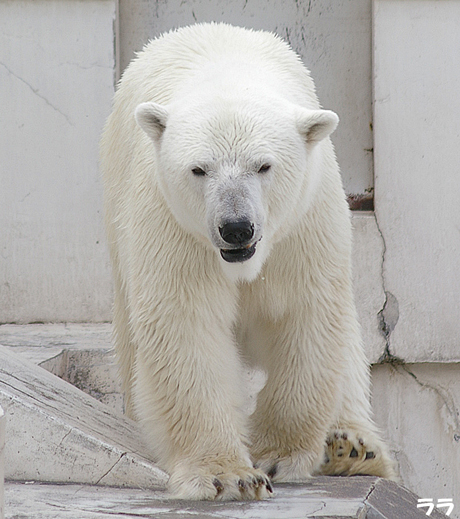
point(389, 313)
point(446, 398)
point(36, 92)
point(64, 437)
point(363, 511)
point(111, 468)
point(322, 507)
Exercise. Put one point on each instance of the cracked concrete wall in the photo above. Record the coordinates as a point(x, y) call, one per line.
point(368, 250)
point(417, 405)
point(56, 83)
point(417, 180)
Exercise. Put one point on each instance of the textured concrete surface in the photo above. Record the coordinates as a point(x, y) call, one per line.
point(333, 498)
point(368, 249)
point(417, 406)
point(57, 66)
point(43, 342)
point(78, 353)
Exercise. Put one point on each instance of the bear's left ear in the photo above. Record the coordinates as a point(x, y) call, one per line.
point(316, 125)
point(152, 118)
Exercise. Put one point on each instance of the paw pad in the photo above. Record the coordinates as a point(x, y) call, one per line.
point(353, 453)
point(347, 453)
point(370, 455)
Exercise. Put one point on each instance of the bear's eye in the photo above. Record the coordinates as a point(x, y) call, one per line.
point(264, 168)
point(199, 172)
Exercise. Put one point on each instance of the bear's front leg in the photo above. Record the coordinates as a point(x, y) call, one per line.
point(186, 395)
point(298, 402)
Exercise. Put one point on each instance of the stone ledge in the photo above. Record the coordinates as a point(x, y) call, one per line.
point(323, 497)
point(55, 432)
point(79, 353)
point(42, 342)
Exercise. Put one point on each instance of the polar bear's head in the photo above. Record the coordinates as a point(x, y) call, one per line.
point(236, 172)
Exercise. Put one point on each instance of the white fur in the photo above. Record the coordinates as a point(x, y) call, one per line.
point(229, 100)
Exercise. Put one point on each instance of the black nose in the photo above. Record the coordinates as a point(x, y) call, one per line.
point(237, 233)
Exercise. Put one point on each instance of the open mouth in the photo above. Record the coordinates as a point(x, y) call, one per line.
point(238, 255)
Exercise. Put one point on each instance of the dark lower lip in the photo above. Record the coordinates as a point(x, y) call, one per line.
point(238, 255)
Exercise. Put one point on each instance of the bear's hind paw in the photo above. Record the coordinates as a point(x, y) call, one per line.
point(348, 453)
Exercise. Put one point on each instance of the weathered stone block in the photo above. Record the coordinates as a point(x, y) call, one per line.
point(58, 433)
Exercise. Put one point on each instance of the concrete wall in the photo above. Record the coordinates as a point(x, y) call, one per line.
point(56, 84)
point(417, 406)
point(417, 173)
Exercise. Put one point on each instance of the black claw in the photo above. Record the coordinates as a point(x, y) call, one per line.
point(218, 485)
point(242, 485)
point(353, 453)
point(269, 486)
point(261, 480)
point(336, 435)
point(326, 459)
point(272, 472)
point(370, 455)
point(361, 441)
point(345, 436)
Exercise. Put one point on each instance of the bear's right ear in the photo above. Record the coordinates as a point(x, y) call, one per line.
point(316, 125)
point(152, 118)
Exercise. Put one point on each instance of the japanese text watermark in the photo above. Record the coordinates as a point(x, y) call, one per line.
point(430, 504)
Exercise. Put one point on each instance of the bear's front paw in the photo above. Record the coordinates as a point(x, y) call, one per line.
point(234, 483)
point(350, 453)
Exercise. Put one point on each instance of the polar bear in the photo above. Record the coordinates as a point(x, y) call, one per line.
point(230, 243)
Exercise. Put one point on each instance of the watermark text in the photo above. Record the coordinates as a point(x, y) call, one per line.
point(430, 504)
